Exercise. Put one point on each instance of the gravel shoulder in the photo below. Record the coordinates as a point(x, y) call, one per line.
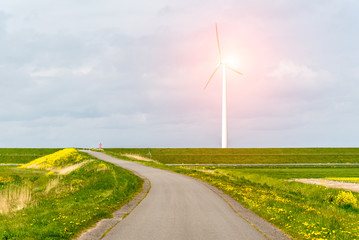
point(331, 184)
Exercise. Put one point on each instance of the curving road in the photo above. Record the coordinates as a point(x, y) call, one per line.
point(178, 207)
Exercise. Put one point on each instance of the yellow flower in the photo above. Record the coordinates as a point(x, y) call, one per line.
point(345, 199)
point(56, 161)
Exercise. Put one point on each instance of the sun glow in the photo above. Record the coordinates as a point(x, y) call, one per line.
point(232, 61)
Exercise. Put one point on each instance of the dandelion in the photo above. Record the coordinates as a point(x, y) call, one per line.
point(345, 199)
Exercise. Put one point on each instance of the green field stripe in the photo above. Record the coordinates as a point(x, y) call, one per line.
point(264, 154)
point(264, 164)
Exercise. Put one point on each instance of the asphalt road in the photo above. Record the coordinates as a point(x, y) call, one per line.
point(178, 207)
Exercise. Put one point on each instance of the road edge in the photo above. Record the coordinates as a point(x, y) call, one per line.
point(267, 229)
point(105, 225)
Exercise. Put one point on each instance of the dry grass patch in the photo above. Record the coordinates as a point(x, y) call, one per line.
point(138, 157)
point(69, 169)
point(330, 183)
point(14, 198)
point(52, 184)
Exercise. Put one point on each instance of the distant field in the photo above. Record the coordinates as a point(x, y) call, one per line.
point(244, 155)
point(23, 155)
point(289, 172)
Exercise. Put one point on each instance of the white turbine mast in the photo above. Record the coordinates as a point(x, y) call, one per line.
point(224, 65)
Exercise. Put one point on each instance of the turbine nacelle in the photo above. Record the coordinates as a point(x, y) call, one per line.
point(229, 64)
point(222, 61)
point(226, 61)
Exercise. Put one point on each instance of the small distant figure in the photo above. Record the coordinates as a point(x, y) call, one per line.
point(100, 146)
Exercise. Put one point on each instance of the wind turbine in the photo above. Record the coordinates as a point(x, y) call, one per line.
point(224, 65)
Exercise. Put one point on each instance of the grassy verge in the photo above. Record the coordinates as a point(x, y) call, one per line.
point(303, 211)
point(64, 200)
point(288, 172)
point(245, 155)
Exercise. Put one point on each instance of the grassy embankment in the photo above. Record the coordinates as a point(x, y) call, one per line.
point(59, 195)
point(303, 211)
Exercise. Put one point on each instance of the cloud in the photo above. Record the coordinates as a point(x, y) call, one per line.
point(52, 72)
point(132, 73)
point(291, 78)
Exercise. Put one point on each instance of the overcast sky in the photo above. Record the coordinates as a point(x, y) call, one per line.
point(131, 73)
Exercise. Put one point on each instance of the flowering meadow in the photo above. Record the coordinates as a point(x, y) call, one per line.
point(66, 192)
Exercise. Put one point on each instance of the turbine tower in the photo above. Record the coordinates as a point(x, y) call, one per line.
point(224, 65)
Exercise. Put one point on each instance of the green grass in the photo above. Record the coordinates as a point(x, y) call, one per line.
point(286, 172)
point(33, 178)
point(23, 173)
point(245, 155)
point(303, 211)
point(79, 199)
point(23, 155)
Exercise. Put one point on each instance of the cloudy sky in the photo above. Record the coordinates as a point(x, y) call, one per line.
point(131, 73)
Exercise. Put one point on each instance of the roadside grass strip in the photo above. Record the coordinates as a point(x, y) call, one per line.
point(57, 196)
point(301, 210)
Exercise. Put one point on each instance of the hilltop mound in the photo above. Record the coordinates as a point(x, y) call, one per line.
point(56, 161)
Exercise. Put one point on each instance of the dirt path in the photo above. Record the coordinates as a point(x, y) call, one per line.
point(331, 184)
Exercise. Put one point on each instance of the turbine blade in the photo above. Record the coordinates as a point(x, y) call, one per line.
point(219, 47)
point(215, 70)
point(234, 70)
